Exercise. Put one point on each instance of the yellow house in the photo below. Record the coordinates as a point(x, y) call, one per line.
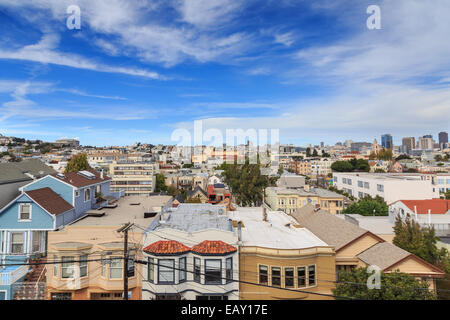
point(289, 200)
point(89, 252)
point(280, 260)
point(357, 247)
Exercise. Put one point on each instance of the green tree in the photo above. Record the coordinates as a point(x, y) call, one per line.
point(421, 241)
point(160, 184)
point(342, 166)
point(402, 157)
point(77, 163)
point(368, 207)
point(393, 286)
point(246, 182)
point(315, 154)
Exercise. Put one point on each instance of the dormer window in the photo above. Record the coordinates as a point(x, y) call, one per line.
point(25, 212)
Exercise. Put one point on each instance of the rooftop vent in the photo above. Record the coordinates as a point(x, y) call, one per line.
point(87, 174)
point(61, 175)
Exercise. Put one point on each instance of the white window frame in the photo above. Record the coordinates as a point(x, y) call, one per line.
point(20, 211)
point(11, 242)
point(85, 192)
point(77, 193)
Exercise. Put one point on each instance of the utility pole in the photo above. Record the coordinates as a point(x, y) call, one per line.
point(125, 229)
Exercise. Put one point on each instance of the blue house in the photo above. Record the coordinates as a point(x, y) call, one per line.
point(44, 205)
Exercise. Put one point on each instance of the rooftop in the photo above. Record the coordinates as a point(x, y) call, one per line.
point(323, 193)
point(331, 229)
point(437, 206)
point(129, 209)
point(49, 200)
point(78, 180)
point(16, 171)
point(375, 224)
point(280, 231)
point(190, 217)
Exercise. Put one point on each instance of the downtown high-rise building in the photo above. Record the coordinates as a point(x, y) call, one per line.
point(426, 142)
point(408, 143)
point(386, 141)
point(443, 139)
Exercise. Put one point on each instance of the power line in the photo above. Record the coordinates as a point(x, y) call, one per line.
point(252, 283)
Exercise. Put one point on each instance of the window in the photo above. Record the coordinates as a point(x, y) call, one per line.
point(380, 187)
point(77, 193)
point(151, 270)
point(36, 241)
point(55, 266)
point(349, 182)
point(276, 276)
point(360, 195)
point(263, 276)
point(182, 269)
point(115, 269)
point(166, 271)
point(87, 195)
point(17, 240)
point(103, 266)
point(67, 267)
point(229, 269)
point(131, 266)
point(213, 271)
point(366, 185)
point(301, 277)
point(83, 265)
point(197, 270)
point(289, 277)
point(24, 211)
point(311, 275)
point(360, 184)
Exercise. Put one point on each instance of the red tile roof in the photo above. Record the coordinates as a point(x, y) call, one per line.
point(166, 247)
point(437, 206)
point(213, 247)
point(49, 200)
point(77, 180)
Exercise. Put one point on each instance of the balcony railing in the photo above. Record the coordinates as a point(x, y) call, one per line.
point(9, 277)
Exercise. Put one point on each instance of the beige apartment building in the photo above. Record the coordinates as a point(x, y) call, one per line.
point(133, 178)
point(279, 259)
point(288, 200)
point(90, 252)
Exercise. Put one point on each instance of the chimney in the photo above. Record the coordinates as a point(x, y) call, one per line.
point(429, 217)
point(101, 175)
point(415, 212)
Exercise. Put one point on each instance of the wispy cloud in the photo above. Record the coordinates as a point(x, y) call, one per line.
point(45, 52)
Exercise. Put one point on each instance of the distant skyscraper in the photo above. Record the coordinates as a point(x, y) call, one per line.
point(443, 138)
point(426, 142)
point(386, 141)
point(322, 144)
point(408, 144)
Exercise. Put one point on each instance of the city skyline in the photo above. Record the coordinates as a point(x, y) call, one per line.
point(138, 70)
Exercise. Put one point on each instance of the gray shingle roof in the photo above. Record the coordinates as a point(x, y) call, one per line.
point(383, 255)
point(15, 171)
point(331, 229)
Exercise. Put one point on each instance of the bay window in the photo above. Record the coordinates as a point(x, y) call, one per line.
point(166, 271)
point(213, 271)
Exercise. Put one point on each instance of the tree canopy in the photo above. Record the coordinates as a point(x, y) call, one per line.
point(77, 163)
point(421, 241)
point(246, 182)
point(368, 206)
point(359, 165)
point(160, 184)
point(393, 286)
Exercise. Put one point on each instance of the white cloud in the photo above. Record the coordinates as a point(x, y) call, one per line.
point(45, 52)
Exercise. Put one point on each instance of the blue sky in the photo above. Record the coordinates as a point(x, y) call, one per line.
point(137, 70)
